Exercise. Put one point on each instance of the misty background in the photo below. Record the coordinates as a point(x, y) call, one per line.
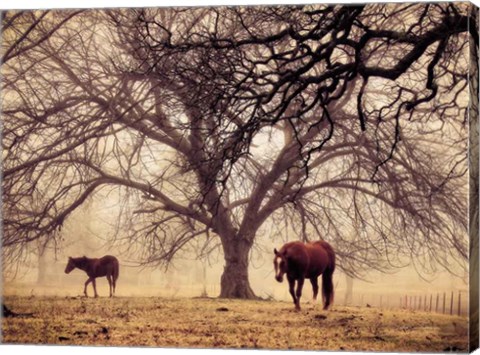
point(134, 133)
point(93, 230)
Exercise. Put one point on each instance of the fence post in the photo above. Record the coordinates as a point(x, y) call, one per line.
point(451, 304)
point(459, 302)
point(444, 300)
point(436, 304)
point(431, 296)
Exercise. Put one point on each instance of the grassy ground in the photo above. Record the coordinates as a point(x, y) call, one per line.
point(222, 323)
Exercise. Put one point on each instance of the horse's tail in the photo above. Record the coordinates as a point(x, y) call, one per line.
point(116, 270)
point(327, 276)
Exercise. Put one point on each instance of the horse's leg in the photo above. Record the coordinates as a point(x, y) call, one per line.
point(94, 283)
point(85, 288)
point(314, 282)
point(299, 292)
point(291, 284)
point(114, 276)
point(109, 278)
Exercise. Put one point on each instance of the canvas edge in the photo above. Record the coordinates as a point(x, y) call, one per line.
point(473, 183)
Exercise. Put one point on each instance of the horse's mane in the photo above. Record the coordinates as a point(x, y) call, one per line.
point(81, 262)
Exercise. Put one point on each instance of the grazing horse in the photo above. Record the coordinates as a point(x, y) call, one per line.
point(302, 261)
point(105, 266)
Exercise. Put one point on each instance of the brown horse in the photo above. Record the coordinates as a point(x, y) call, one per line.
point(306, 261)
point(105, 266)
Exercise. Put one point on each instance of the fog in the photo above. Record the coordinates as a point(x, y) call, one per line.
point(93, 231)
point(193, 278)
point(128, 168)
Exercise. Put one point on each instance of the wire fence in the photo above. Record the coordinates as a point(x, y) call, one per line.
point(450, 303)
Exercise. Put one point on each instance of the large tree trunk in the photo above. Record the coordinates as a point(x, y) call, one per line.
point(234, 282)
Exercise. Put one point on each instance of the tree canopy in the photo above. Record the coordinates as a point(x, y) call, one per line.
point(344, 123)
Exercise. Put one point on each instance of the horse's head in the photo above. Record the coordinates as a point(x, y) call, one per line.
point(280, 264)
point(70, 265)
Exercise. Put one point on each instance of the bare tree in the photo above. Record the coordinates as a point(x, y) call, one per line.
point(336, 122)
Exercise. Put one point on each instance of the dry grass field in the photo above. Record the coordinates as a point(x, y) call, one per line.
point(219, 323)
